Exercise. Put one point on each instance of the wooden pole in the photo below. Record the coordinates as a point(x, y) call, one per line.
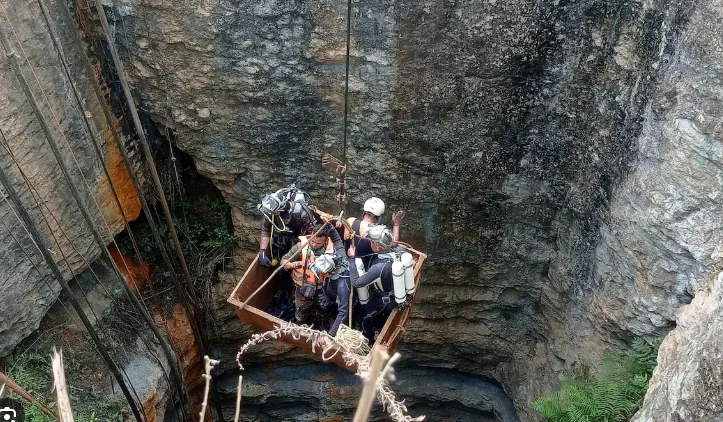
point(379, 359)
point(61, 388)
point(237, 415)
point(4, 379)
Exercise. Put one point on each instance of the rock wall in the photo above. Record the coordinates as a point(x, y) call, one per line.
point(529, 140)
point(559, 160)
point(324, 392)
point(686, 197)
point(686, 385)
point(25, 293)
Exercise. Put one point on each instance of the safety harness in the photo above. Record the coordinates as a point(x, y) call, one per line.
point(305, 274)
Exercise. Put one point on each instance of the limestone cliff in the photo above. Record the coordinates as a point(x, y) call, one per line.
point(686, 385)
point(523, 137)
point(25, 294)
point(560, 160)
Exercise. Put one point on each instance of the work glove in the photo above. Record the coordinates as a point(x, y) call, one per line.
point(324, 300)
point(264, 261)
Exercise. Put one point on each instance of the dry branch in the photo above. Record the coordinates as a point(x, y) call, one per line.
point(6, 380)
point(65, 413)
point(208, 365)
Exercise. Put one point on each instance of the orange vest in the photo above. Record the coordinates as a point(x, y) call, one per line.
point(304, 273)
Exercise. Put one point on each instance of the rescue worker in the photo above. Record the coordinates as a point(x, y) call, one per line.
point(373, 210)
point(286, 216)
point(379, 279)
point(320, 278)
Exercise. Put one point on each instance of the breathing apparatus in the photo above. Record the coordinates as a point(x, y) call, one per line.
point(403, 278)
point(291, 199)
point(323, 264)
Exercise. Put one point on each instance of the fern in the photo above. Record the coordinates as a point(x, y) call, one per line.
point(613, 395)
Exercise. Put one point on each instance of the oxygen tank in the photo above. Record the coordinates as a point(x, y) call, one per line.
point(362, 292)
point(408, 263)
point(400, 293)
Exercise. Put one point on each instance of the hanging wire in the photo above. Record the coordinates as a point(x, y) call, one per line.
point(168, 115)
point(170, 357)
point(193, 317)
point(342, 176)
point(39, 203)
point(41, 120)
point(4, 181)
point(141, 195)
point(141, 306)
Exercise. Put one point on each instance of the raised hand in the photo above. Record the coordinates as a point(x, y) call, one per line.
point(398, 217)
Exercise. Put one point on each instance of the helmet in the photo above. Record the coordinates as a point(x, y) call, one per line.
point(324, 263)
point(381, 235)
point(375, 206)
point(275, 202)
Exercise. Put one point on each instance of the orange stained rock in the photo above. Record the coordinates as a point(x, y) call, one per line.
point(136, 274)
point(121, 181)
point(191, 360)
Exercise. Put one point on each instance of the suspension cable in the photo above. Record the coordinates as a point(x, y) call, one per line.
point(144, 144)
point(56, 272)
point(342, 176)
point(141, 195)
point(193, 317)
point(27, 256)
point(136, 183)
point(144, 312)
point(46, 130)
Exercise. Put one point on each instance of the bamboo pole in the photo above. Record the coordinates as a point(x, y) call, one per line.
point(237, 415)
point(6, 380)
point(379, 359)
point(61, 388)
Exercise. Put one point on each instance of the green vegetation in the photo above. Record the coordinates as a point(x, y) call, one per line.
point(203, 224)
point(614, 394)
point(197, 235)
point(32, 372)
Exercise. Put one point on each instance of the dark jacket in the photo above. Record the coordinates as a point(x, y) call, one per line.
point(300, 221)
point(380, 268)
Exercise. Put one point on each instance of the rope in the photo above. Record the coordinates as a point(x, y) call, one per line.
point(352, 340)
point(342, 179)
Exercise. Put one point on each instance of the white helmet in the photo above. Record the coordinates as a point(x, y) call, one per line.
point(381, 235)
point(375, 206)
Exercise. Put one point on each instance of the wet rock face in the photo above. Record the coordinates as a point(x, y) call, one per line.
point(324, 392)
point(25, 293)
